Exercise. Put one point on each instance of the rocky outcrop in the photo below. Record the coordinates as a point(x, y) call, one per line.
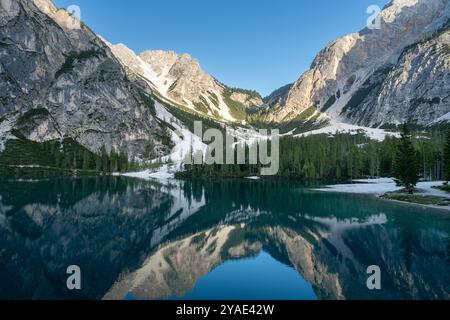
point(276, 98)
point(246, 99)
point(379, 76)
point(57, 78)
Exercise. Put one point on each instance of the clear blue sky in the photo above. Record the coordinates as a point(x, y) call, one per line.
point(252, 44)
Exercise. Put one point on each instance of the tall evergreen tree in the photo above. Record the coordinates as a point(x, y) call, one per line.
point(113, 162)
point(98, 164)
point(406, 169)
point(105, 160)
point(86, 159)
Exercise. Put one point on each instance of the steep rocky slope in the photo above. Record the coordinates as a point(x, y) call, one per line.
point(57, 78)
point(276, 97)
point(416, 89)
point(382, 76)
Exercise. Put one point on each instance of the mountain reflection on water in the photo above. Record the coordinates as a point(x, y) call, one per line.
point(154, 240)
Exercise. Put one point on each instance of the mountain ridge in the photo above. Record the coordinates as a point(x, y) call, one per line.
point(347, 63)
point(179, 79)
point(344, 83)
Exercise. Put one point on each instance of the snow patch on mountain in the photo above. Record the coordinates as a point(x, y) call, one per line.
point(374, 134)
point(185, 141)
point(444, 118)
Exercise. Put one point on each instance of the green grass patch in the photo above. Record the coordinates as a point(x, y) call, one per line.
point(426, 200)
point(188, 117)
point(306, 121)
point(74, 57)
point(237, 109)
point(444, 187)
point(31, 114)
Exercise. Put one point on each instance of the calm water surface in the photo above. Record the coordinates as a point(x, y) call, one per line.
point(137, 239)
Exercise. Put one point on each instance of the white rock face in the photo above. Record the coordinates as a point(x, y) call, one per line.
point(181, 81)
point(350, 68)
point(46, 6)
point(247, 100)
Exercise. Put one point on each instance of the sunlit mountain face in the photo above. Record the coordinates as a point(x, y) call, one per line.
point(136, 239)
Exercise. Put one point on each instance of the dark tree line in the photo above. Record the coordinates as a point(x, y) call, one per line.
point(70, 155)
point(344, 157)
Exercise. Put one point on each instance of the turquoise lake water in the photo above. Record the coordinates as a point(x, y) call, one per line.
point(232, 239)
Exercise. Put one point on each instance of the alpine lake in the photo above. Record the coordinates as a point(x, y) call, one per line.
point(227, 239)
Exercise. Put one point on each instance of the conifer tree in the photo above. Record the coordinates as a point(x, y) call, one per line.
point(446, 159)
point(86, 159)
point(105, 160)
point(98, 164)
point(405, 162)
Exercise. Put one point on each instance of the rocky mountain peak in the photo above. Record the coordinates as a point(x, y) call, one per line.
point(181, 81)
point(180, 67)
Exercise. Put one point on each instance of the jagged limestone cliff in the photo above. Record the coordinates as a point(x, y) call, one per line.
point(382, 76)
point(58, 79)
